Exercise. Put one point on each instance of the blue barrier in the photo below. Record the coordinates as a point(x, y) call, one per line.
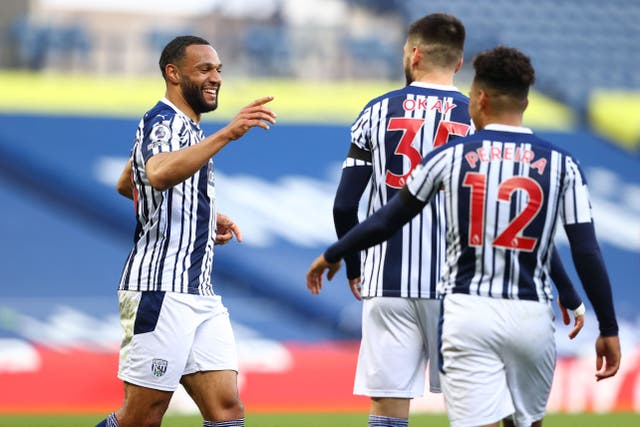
point(57, 177)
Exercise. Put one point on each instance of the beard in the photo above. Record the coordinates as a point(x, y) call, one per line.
point(195, 97)
point(407, 74)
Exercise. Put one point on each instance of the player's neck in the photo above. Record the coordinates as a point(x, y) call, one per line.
point(505, 118)
point(182, 105)
point(435, 77)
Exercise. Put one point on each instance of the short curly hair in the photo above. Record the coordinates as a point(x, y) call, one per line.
point(505, 70)
point(174, 51)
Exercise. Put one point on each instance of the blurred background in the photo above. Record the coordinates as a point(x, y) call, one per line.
point(75, 78)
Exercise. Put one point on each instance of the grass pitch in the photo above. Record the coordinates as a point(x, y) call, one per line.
point(317, 420)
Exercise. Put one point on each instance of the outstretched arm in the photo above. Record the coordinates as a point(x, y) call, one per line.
point(375, 229)
point(167, 169)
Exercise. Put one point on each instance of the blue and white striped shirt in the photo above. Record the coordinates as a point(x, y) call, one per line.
point(503, 189)
point(175, 233)
point(392, 135)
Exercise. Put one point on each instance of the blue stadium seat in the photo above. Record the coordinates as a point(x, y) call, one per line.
point(269, 49)
point(576, 45)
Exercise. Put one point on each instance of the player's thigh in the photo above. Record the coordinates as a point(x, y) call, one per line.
point(142, 406)
point(392, 361)
point(428, 313)
point(214, 345)
point(212, 368)
point(158, 335)
point(530, 359)
point(473, 378)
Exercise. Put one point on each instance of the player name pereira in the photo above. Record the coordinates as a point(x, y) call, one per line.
point(506, 152)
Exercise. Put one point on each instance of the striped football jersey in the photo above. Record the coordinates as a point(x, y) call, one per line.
point(391, 136)
point(504, 189)
point(175, 232)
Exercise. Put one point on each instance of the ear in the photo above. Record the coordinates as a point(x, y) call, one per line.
point(483, 99)
point(459, 64)
point(416, 56)
point(173, 74)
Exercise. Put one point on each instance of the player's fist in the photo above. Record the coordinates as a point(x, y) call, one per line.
point(607, 357)
point(226, 229)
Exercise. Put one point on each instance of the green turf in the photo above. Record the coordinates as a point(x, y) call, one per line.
point(317, 420)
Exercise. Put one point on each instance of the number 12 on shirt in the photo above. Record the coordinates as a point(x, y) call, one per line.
point(511, 237)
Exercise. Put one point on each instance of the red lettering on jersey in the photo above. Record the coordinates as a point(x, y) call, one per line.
point(448, 107)
point(422, 104)
point(408, 105)
point(507, 153)
point(539, 165)
point(496, 153)
point(527, 156)
point(472, 159)
point(492, 153)
point(482, 154)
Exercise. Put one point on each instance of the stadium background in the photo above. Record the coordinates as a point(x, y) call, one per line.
point(74, 80)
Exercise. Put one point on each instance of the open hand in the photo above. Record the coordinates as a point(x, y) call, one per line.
point(356, 287)
point(254, 114)
point(314, 275)
point(578, 315)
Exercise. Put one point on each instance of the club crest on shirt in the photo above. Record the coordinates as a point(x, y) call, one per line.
point(160, 135)
point(159, 367)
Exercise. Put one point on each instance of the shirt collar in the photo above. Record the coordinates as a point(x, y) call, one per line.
point(177, 110)
point(435, 86)
point(507, 128)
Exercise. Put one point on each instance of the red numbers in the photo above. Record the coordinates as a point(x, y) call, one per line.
point(478, 184)
point(510, 237)
point(445, 129)
point(410, 128)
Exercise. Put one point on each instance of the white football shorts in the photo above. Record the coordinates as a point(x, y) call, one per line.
point(399, 339)
point(498, 359)
point(169, 334)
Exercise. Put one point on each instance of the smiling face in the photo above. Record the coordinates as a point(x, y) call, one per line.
point(200, 78)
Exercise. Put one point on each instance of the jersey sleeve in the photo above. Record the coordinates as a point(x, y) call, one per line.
point(356, 172)
point(378, 227)
point(578, 224)
point(353, 183)
point(576, 206)
point(425, 180)
point(161, 135)
point(566, 291)
point(360, 151)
